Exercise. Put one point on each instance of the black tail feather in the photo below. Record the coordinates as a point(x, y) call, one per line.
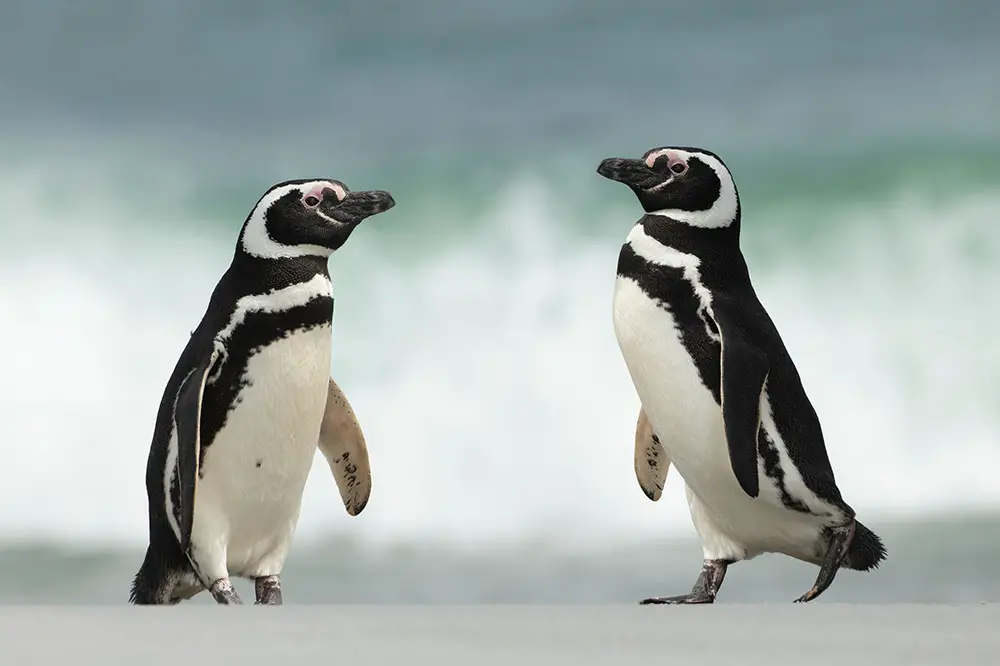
point(148, 582)
point(157, 578)
point(866, 551)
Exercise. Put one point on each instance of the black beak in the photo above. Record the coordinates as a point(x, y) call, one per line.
point(634, 173)
point(359, 205)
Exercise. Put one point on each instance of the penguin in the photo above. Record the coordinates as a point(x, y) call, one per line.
point(721, 400)
point(249, 402)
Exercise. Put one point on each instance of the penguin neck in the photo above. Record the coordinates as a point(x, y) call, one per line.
point(703, 242)
point(263, 274)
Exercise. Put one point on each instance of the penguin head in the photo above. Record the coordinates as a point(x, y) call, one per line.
point(690, 185)
point(308, 217)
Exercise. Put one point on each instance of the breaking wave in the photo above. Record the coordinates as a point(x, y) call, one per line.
point(485, 370)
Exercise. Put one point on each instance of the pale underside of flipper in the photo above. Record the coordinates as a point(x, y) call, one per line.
point(651, 461)
point(343, 445)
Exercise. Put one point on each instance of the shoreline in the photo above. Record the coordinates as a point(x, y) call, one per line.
point(941, 561)
point(747, 633)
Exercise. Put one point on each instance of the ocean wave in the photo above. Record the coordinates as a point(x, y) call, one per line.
point(483, 365)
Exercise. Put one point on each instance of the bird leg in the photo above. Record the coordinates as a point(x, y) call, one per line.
point(268, 590)
point(713, 572)
point(224, 593)
point(839, 543)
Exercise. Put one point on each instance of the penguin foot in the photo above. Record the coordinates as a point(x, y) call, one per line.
point(713, 572)
point(223, 592)
point(840, 542)
point(680, 599)
point(268, 590)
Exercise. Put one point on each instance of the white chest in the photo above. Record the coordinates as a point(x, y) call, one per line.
point(255, 471)
point(688, 422)
point(269, 439)
point(681, 409)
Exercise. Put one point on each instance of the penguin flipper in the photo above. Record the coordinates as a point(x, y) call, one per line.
point(651, 461)
point(188, 423)
point(744, 369)
point(343, 445)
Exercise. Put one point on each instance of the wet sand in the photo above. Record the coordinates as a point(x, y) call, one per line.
point(747, 634)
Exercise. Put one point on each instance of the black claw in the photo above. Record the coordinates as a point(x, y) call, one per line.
point(839, 543)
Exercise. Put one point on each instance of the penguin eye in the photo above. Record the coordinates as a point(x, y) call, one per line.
point(678, 167)
point(312, 201)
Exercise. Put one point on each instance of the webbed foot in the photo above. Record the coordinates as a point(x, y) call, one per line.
point(713, 572)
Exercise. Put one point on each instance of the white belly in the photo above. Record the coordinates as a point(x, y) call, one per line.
point(689, 424)
point(254, 473)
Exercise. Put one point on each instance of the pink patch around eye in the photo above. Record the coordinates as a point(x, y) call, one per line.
point(673, 159)
point(316, 191)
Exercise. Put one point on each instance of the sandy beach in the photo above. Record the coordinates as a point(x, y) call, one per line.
point(747, 634)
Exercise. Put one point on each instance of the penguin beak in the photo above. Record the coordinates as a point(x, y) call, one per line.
point(633, 173)
point(360, 205)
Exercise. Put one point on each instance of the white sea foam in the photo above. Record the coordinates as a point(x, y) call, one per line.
point(486, 375)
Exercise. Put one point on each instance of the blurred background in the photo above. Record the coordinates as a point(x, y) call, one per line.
point(472, 329)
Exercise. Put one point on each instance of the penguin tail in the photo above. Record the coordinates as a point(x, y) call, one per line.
point(866, 551)
point(151, 584)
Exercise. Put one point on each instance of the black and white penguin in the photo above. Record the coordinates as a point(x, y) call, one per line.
point(249, 401)
point(721, 399)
